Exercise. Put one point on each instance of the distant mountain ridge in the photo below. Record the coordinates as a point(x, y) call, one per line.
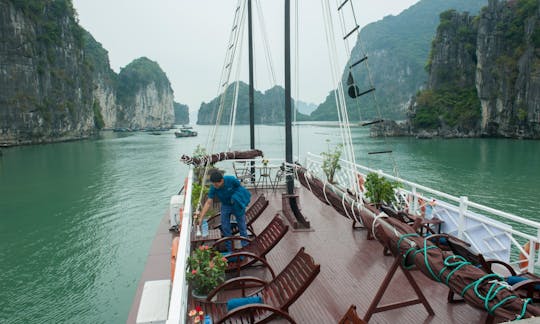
point(269, 107)
point(181, 113)
point(397, 49)
point(305, 108)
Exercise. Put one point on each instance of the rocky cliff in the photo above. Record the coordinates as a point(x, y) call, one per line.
point(397, 48)
point(57, 83)
point(46, 89)
point(449, 106)
point(181, 114)
point(145, 96)
point(484, 74)
point(105, 82)
point(508, 68)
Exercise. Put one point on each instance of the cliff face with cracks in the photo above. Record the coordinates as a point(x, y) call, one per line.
point(57, 84)
point(495, 75)
point(508, 68)
point(46, 92)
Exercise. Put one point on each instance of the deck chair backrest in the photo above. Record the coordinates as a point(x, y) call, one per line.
point(269, 237)
point(290, 283)
point(459, 248)
point(255, 210)
point(399, 215)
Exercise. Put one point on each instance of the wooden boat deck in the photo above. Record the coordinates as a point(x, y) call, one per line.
point(352, 269)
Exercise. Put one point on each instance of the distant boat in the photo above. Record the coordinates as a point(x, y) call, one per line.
point(186, 127)
point(185, 133)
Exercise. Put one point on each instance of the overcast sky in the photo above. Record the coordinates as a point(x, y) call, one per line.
point(188, 39)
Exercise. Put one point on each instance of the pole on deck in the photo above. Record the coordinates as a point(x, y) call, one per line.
point(251, 89)
point(288, 110)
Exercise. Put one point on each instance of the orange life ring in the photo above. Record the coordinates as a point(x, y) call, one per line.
point(360, 181)
point(174, 252)
point(422, 205)
point(523, 260)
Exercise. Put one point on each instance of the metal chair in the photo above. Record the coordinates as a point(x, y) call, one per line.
point(242, 171)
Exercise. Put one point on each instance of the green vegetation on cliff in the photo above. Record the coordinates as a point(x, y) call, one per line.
point(450, 100)
point(45, 14)
point(511, 27)
point(137, 75)
point(452, 107)
point(181, 113)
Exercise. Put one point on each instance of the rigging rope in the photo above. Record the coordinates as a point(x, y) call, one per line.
point(296, 77)
point(370, 81)
point(232, 45)
point(236, 89)
point(268, 59)
point(339, 94)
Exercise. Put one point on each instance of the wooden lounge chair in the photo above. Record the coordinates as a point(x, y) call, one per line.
point(461, 248)
point(527, 285)
point(351, 317)
point(252, 213)
point(422, 225)
point(277, 295)
point(257, 248)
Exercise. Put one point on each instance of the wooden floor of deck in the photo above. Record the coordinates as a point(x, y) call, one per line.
point(352, 269)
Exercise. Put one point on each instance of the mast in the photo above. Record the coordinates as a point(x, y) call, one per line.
point(251, 88)
point(288, 112)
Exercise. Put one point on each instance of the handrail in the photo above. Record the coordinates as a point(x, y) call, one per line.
point(461, 207)
point(179, 293)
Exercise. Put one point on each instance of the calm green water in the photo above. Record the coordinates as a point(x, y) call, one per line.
point(77, 219)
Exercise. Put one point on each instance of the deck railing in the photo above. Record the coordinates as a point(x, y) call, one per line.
point(179, 292)
point(490, 231)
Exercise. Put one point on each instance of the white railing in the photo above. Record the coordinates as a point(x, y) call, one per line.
point(179, 293)
point(488, 230)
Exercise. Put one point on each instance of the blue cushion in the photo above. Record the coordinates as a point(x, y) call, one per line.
point(440, 240)
point(512, 280)
point(237, 302)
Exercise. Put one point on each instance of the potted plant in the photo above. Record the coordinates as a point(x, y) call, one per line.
point(206, 270)
point(331, 162)
point(380, 190)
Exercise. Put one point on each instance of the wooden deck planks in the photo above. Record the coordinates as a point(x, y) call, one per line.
point(352, 269)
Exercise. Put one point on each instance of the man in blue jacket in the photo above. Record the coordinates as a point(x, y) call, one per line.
point(233, 197)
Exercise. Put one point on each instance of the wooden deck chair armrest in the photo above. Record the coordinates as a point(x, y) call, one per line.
point(236, 282)
point(253, 256)
point(528, 284)
point(248, 310)
point(458, 240)
point(508, 267)
point(231, 238)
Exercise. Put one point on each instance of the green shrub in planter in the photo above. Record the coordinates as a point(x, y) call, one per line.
point(380, 190)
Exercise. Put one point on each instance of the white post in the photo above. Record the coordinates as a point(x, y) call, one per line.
point(532, 256)
point(413, 202)
point(463, 205)
point(537, 259)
